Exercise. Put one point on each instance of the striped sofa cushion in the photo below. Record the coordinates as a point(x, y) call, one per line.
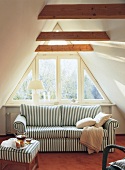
point(71, 114)
point(41, 115)
point(37, 132)
point(73, 132)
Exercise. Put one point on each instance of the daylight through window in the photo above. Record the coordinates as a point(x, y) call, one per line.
point(47, 74)
point(23, 93)
point(90, 90)
point(69, 78)
point(65, 79)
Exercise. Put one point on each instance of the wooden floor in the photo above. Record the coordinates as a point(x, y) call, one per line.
point(73, 160)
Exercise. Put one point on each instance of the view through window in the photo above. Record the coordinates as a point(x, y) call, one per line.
point(47, 74)
point(69, 78)
point(60, 77)
point(90, 90)
point(23, 93)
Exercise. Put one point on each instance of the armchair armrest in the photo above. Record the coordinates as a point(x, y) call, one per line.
point(20, 124)
point(106, 151)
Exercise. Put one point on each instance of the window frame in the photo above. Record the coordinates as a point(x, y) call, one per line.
point(68, 56)
point(10, 100)
point(93, 101)
point(46, 56)
point(58, 56)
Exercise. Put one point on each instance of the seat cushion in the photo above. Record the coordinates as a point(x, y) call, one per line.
point(73, 132)
point(45, 132)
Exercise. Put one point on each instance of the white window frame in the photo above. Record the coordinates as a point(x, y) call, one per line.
point(47, 56)
point(18, 102)
point(58, 56)
point(93, 101)
point(68, 56)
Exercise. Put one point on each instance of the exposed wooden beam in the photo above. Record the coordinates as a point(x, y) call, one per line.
point(83, 11)
point(73, 36)
point(70, 47)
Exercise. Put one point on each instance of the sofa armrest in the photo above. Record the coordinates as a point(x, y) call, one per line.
point(20, 124)
point(111, 124)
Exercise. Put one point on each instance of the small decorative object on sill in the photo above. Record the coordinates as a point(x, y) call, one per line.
point(73, 100)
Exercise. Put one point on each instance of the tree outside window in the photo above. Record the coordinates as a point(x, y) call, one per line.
point(69, 78)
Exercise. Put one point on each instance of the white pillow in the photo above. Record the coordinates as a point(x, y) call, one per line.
point(101, 118)
point(85, 122)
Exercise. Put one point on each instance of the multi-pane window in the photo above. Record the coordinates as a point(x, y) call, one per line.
point(60, 76)
point(69, 78)
point(23, 93)
point(47, 74)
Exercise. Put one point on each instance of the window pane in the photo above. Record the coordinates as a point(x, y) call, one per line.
point(23, 93)
point(47, 73)
point(90, 90)
point(69, 79)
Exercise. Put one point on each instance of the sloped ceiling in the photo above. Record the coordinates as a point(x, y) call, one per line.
point(19, 28)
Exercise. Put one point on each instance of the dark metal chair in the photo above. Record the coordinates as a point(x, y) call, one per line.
point(105, 156)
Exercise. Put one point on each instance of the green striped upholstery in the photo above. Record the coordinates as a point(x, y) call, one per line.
point(53, 145)
point(71, 114)
point(37, 132)
point(41, 115)
point(54, 126)
point(56, 132)
point(111, 125)
point(73, 132)
point(20, 155)
point(74, 145)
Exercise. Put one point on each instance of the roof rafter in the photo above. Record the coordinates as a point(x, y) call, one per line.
point(83, 11)
point(73, 36)
point(64, 48)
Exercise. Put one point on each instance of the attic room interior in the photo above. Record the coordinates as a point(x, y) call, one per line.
point(62, 63)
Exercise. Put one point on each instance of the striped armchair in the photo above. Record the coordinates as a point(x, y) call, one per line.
point(55, 126)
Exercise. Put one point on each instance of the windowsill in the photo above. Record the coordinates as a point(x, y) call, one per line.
point(57, 103)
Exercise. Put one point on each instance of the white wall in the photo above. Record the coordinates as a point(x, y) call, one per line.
point(118, 115)
point(19, 28)
point(2, 121)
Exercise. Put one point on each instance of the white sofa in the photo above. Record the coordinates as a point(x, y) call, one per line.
point(55, 126)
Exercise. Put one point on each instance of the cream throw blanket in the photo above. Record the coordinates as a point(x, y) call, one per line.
point(92, 138)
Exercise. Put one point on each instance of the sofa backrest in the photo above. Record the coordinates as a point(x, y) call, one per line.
point(71, 114)
point(65, 115)
point(41, 115)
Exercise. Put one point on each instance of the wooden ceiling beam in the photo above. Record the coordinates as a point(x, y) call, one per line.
point(64, 48)
point(83, 11)
point(73, 36)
